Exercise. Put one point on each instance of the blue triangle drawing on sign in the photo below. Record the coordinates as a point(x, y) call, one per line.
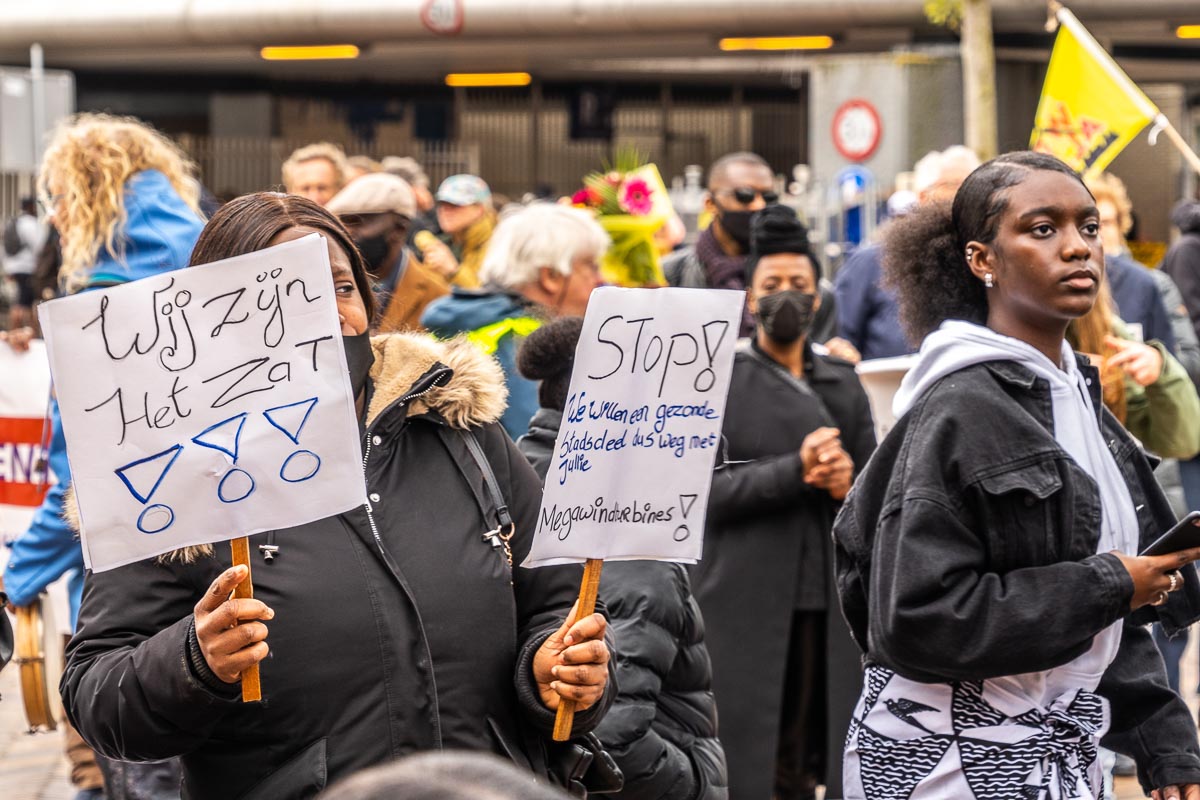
point(291, 418)
point(225, 436)
point(147, 473)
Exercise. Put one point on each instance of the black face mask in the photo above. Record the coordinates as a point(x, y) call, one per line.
point(359, 359)
point(374, 251)
point(737, 225)
point(786, 316)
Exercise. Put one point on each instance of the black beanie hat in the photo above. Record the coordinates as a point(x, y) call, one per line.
point(548, 355)
point(777, 229)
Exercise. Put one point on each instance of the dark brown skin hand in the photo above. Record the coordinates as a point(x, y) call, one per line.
point(572, 664)
point(229, 631)
point(826, 464)
point(1151, 574)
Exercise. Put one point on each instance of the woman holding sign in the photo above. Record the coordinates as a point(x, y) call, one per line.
point(987, 556)
point(398, 627)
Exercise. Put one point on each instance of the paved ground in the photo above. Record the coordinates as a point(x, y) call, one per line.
point(32, 767)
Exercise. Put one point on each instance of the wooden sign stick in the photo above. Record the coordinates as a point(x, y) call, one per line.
point(251, 687)
point(589, 589)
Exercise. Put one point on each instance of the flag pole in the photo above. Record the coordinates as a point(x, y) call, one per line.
point(1063, 16)
point(1189, 155)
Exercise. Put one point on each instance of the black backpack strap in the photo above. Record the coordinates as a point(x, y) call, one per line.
point(503, 532)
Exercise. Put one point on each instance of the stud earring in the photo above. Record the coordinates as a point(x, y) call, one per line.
point(988, 281)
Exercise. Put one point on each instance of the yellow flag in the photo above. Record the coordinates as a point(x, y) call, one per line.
point(1090, 109)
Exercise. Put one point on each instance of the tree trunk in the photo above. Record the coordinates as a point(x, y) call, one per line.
point(979, 78)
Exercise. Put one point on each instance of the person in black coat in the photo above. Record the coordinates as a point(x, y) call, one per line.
point(662, 728)
point(394, 628)
point(797, 427)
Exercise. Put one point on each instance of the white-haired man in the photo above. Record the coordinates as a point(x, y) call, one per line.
point(543, 261)
point(868, 316)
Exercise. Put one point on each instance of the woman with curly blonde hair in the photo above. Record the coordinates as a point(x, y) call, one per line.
point(124, 197)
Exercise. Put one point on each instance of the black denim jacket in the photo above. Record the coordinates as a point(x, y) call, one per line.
point(967, 550)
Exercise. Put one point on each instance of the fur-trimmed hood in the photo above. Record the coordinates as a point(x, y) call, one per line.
point(474, 395)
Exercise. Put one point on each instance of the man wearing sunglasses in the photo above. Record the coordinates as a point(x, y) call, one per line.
point(738, 185)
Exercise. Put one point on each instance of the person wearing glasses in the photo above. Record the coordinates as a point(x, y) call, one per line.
point(739, 184)
point(868, 316)
point(378, 210)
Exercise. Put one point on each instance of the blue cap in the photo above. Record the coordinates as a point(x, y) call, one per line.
point(464, 190)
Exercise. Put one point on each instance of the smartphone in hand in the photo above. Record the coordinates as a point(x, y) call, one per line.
point(1185, 534)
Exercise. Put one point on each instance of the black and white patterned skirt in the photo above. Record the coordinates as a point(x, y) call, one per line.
point(971, 739)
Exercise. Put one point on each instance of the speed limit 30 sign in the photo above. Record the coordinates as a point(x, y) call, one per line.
point(856, 130)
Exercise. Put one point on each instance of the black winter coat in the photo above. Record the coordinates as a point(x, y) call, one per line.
point(662, 728)
point(420, 639)
point(967, 550)
point(767, 536)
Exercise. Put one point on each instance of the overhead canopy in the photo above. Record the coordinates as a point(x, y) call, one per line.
point(561, 35)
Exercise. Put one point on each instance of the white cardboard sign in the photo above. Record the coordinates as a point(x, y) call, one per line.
point(206, 404)
point(634, 456)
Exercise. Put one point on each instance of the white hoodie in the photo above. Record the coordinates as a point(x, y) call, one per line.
point(957, 345)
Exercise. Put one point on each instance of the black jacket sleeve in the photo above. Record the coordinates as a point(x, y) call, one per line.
point(756, 487)
point(932, 595)
point(129, 687)
point(1150, 723)
point(544, 596)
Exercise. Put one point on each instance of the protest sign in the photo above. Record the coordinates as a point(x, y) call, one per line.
point(634, 456)
point(206, 404)
point(25, 476)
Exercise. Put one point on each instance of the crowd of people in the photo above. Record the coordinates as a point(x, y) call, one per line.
point(958, 610)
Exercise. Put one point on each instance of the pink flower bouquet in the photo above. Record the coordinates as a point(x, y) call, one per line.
point(631, 204)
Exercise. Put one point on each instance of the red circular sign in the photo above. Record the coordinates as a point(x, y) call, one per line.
point(856, 130)
point(443, 17)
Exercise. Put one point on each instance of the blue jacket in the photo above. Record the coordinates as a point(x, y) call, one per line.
point(1138, 299)
point(158, 236)
point(868, 315)
point(478, 313)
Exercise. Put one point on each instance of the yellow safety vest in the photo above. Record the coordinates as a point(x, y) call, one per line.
point(488, 337)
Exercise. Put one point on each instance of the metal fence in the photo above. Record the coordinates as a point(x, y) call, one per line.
point(518, 141)
point(234, 166)
point(525, 144)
